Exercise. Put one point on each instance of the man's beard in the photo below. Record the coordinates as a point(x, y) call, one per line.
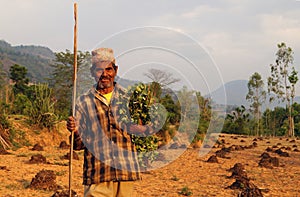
point(105, 85)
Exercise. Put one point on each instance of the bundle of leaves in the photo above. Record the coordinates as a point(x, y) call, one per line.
point(143, 110)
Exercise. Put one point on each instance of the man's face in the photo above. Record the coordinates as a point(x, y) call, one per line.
point(104, 74)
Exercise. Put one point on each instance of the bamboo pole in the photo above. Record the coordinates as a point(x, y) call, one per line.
point(73, 98)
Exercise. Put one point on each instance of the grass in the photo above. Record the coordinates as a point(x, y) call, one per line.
point(25, 183)
point(61, 173)
point(185, 191)
point(174, 178)
point(24, 155)
point(11, 186)
point(61, 164)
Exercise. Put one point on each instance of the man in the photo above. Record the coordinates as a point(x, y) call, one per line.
point(110, 159)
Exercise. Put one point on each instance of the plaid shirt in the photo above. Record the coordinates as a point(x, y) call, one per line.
point(109, 154)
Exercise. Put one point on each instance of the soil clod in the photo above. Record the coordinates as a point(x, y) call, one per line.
point(37, 159)
point(44, 180)
point(212, 159)
point(64, 145)
point(242, 182)
point(67, 156)
point(37, 147)
point(268, 162)
point(282, 153)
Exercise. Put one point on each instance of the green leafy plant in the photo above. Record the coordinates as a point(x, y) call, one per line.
point(139, 100)
point(42, 107)
point(186, 191)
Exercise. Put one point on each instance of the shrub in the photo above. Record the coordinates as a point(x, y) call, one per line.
point(186, 191)
point(42, 107)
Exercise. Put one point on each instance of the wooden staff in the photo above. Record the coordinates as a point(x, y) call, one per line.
point(74, 98)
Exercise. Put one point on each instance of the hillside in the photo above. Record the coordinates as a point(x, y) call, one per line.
point(36, 59)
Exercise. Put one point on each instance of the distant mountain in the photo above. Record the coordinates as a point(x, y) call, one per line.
point(125, 82)
point(36, 59)
point(236, 92)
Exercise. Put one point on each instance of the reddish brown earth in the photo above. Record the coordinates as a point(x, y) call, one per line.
point(189, 173)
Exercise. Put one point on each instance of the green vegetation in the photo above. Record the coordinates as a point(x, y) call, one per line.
point(278, 121)
point(18, 76)
point(236, 121)
point(36, 59)
point(139, 100)
point(283, 80)
point(256, 96)
point(186, 191)
point(169, 112)
point(61, 79)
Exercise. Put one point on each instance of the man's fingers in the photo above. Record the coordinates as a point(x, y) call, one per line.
point(71, 124)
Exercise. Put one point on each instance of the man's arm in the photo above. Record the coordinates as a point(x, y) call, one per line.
point(141, 130)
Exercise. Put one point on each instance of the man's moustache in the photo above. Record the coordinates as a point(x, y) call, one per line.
point(106, 78)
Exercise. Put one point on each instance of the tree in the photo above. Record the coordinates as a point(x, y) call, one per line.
point(3, 84)
point(172, 108)
point(283, 80)
point(62, 78)
point(190, 113)
point(18, 76)
point(274, 121)
point(296, 114)
point(205, 115)
point(205, 112)
point(162, 77)
point(235, 122)
point(186, 101)
point(3, 76)
point(256, 95)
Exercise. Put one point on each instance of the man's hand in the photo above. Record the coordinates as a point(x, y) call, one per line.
point(139, 129)
point(71, 124)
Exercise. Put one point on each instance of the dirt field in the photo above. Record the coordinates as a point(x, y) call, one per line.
point(189, 174)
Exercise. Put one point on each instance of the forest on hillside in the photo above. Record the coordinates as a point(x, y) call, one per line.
point(35, 58)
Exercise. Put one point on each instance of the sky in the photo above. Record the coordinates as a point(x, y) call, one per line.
point(205, 43)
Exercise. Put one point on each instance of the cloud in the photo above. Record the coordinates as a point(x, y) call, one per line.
point(199, 11)
point(281, 26)
point(240, 35)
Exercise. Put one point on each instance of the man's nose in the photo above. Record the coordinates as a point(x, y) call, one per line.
point(104, 73)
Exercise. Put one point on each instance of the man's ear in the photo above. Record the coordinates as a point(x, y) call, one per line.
point(92, 71)
point(116, 69)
